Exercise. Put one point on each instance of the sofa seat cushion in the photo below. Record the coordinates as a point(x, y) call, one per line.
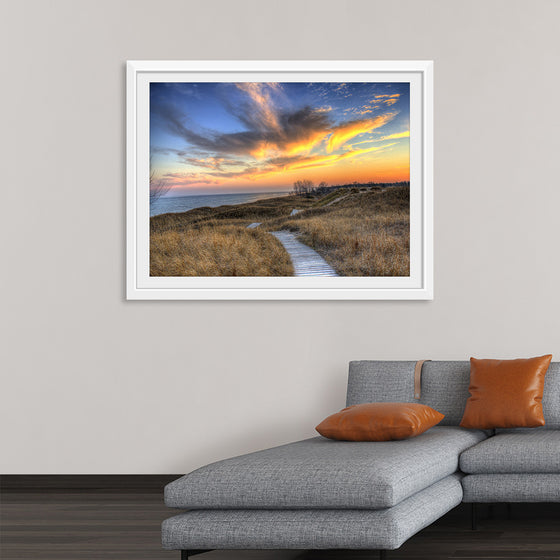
point(312, 529)
point(523, 451)
point(492, 488)
point(319, 473)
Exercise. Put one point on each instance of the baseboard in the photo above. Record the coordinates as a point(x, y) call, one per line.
point(122, 482)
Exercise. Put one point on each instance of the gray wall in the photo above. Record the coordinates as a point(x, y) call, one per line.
point(95, 384)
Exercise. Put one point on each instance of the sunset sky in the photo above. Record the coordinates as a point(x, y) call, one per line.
point(259, 137)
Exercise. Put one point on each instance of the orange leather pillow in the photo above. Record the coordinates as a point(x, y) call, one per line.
point(506, 393)
point(379, 422)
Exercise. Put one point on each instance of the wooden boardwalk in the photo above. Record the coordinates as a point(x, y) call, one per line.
point(306, 261)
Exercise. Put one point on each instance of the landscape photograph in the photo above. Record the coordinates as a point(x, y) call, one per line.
point(255, 179)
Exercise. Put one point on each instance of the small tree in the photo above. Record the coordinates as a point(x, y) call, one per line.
point(158, 187)
point(304, 187)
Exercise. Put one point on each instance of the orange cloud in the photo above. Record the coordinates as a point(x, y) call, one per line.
point(314, 161)
point(387, 99)
point(405, 134)
point(268, 149)
point(388, 96)
point(263, 150)
point(320, 161)
point(305, 146)
point(347, 131)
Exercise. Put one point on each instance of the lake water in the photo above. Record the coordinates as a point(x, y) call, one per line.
point(175, 204)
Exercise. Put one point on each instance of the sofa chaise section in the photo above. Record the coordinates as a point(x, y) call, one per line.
point(323, 474)
point(386, 528)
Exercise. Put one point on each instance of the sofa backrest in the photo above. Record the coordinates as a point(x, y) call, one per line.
point(445, 387)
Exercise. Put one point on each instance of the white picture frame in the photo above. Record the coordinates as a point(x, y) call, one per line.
point(418, 286)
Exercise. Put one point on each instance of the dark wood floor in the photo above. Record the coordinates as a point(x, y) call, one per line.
point(91, 524)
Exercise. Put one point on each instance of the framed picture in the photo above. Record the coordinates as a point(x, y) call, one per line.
point(279, 180)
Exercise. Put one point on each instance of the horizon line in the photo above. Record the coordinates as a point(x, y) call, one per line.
point(282, 190)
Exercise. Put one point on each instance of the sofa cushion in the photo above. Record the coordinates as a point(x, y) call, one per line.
point(523, 451)
point(506, 393)
point(491, 488)
point(379, 422)
point(321, 473)
point(312, 529)
point(445, 387)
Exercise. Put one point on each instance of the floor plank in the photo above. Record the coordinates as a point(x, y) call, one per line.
point(89, 524)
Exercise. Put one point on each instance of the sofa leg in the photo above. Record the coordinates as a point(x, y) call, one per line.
point(382, 555)
point(186, 554)
point(508, 509)
point(473, 517)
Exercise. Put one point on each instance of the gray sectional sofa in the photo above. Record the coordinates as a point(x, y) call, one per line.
point(324, 494)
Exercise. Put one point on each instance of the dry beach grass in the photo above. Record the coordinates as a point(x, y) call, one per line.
point(359, 231)
point(218, 250)
point(366, 233)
